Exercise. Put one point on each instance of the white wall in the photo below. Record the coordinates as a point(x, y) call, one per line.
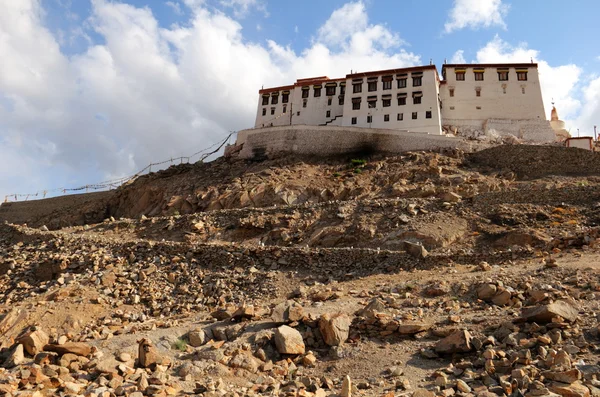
point(429, 102)
point(279, 118)
point(493, 102)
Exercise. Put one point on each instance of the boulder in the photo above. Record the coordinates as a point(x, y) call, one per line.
point(334, 329)
point(288, 340)
point(15, 357)
point(545, 313)
point(415, 250)
point(77, 348)
point(287, 312)
point(486, 291)
point(148, 355)
point(197, 337)
point(412, 328)
point(346, 387)
point(34, 341)
point(458, 342)
point(576, 389)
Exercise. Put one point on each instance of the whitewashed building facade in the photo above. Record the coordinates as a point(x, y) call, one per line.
point(470, 99)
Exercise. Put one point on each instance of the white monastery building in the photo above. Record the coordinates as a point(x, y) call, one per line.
point(467, 100)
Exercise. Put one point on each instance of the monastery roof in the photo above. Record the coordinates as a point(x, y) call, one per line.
point(275, 89)
point(392, 71)
point(489, 65)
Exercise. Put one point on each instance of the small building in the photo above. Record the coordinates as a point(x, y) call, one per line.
point(584, 142)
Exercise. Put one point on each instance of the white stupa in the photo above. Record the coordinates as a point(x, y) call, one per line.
point(558, 126)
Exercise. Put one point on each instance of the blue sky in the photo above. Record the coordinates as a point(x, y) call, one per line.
point(92, 90)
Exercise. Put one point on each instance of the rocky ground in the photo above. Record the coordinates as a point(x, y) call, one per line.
point(422, 275)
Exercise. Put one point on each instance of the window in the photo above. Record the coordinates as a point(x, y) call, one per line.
point(478, 76)
point(274, 100)
point(264, 111)
point(451, 92)
point(272, 111)
point(341, 100)
point(284, 109)
point(328, 101)
point(414, 115)
point(417, 81)
point(265, 100)
point(355, 103)
point(372, 102)
point(417, 100)
point(386, 117)
point(285, 98)
point(342, 90)
point(387, 103)
point(353, 120)
point(522, 76)
point(402, 83)
point(504, 88)
point(330, 91)
point(356, 88)
point(503, 75)
point(478, 107)
point(478, 91)
point(328, 114)
point(428, 114)
point(305, 92)
point(401, 101)
point(400, 116)
point(387, 85)
point(304, 103)
point(522, 90)
point(451, 107)
point(460, 76)
point(369, 119)
point(298, 114)
point(372, 86)
point(317, 92)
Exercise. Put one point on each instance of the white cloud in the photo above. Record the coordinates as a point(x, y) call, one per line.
point(175, 6)
point(590, 112)
point(148, 93)
point(458, 57)
point(475, 14)
point(242, 7)
point(349, 26)
point(557, 82)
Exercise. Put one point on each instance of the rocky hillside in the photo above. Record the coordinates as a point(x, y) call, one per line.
point(419, 275)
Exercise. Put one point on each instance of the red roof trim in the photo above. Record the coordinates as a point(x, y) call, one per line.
point(274, 89)
point(392, 71)
point(489, 65)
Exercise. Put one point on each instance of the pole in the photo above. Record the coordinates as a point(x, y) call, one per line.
point(595, 136)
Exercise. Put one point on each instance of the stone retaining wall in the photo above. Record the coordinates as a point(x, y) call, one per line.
point(331, 140)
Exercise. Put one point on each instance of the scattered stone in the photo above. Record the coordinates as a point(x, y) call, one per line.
point(288, 340)
point(346, 387)
point(334, 329)
point(458, 342)
point(546, 313)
